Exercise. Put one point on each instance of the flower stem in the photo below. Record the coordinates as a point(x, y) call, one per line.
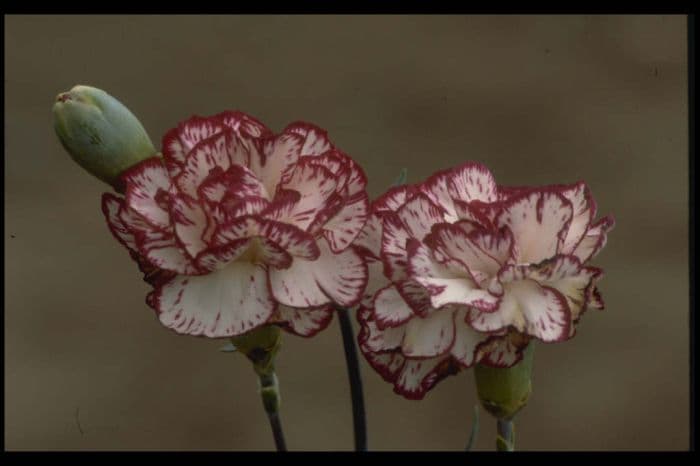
point(260, 346)
point(475, 428)
point(269, 392)
point(358, 403)
point(505, 439)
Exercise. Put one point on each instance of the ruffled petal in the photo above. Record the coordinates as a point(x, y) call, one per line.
point(503, 351)
point(344, 227)
point(303, 322)
point(445, 291)
point(419, 214)
point(583, 212)
point(595, 239)
point(190, 221)
point(111, 205)
point(387, 365)
point(296, 242)
point(418, 376)
point(340, 278)
point(158, 247)
point(430, 336)
point(393, 247)
point(370, 237)
point(218, 257)
point(483, 252)
point(376, 279)
point(415, 295)
point(315, 185)
point(209, 156)
point(567, 275)
point(477, 212)
point(229, 302)
point(178, 142)
point(466, 183)
point(235, 183)
point(445, 285)
point(390, 309)
point(471, 181)
point(536, 310)
point(467, 341)
point(244, 124)
point(393, 199)
point(539, 221)
point(376, 340)
point(147, 188)
point(316, 140)
point(289, 238)
point(271, 242)
point(277, 159)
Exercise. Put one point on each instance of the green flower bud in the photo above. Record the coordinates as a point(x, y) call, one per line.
point(505, 391)
point(100, 133)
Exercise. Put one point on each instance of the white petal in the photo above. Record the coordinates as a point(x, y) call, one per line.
point(430, 336)
point(316, 140)
point(229, 302)
point(417, 376)
point(539, 221)
point(467, 340)
point(594, 240)
point(315, 185)
point(340, 278)
point(279, 156)
point(541, 312)
point(390, 309)
point(111, 205)
point(583, 211)
point(147, 186)
point(472, 182)
point(304, 322)
point(208, 156)
point(344, 227)
point(190, 222)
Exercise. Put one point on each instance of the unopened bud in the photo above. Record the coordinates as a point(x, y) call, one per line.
point(100, 133)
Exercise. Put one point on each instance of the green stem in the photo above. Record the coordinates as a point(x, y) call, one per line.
point(269, 392)
point(505, 440)
point(261, 346)
point(475, 428)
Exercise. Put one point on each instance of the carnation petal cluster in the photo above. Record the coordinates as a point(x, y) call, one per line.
point(464, 271)
point(236, 227)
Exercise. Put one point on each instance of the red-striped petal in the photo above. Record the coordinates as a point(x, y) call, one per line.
point(304, 322)
point(147, 188)
point(229, 302)
point(539, 221)
point(316, 140)
point(339, 278)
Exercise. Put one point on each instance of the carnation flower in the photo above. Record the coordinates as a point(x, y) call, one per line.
point(236, 227)
point(464, 271)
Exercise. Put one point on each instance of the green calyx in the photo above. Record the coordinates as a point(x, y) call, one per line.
point(100, 133)
point(260, 346)
point(503, 392)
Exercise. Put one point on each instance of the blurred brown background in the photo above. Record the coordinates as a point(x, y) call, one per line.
point(538, 99)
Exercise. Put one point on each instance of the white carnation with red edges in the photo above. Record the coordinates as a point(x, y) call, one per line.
point(464, 271)
point(236, 227)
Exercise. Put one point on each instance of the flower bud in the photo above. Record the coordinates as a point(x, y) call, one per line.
point(100, 133)
point(505, 391)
